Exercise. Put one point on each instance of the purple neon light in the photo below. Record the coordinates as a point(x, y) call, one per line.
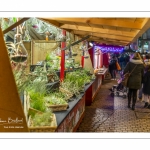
point(109, 48)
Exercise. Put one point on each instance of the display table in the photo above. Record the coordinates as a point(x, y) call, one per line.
point(70, 119)
point(103, 73)
point(93, 89)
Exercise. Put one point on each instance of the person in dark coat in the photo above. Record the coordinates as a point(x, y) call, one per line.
point(135, 79)
point(121, 62)
point(113, 67)
point(146, 87)
point(146, 63)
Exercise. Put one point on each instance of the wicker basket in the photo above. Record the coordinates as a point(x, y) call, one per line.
point(51, 128)
point(58, 107)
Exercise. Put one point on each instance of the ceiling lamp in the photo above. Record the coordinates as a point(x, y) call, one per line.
point(91, 44)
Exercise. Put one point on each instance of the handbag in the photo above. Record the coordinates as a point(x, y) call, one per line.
point(118, 66)
point(126, 77)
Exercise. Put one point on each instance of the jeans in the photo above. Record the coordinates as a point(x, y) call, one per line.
point(132, 94)
point(113, 74)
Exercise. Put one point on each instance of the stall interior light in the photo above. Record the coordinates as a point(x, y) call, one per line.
point(91, 44)
point(108, 48)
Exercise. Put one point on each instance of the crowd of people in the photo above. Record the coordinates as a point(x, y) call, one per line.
point(139, 79)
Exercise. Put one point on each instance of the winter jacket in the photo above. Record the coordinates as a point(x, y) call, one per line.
point(112, 64)
point(135, 79)
point(121, 59)
point(146, 83)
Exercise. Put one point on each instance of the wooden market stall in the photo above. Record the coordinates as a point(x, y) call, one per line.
point(114, 31)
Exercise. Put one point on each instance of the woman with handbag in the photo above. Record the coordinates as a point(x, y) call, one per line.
point(135, 68)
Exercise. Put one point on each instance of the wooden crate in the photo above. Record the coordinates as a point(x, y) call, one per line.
point(51, 128)
point(26, 104)
point(58, 107)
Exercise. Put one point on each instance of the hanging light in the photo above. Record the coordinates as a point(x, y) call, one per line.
point(91, 44)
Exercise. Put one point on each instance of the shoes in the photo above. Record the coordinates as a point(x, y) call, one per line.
point(146, 105)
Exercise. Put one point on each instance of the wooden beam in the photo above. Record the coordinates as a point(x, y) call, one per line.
point(98, 30)
point(15, 25)
point(112, 43)
point(109, 40)
point(79, 20)
point(105, 36)
point(116, 23)
point(103, 21)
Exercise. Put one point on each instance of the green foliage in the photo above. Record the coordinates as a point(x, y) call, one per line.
point(37, 87)
point(42, 119)
point(37, 101)
point(14, 19)
point(75, 81)
point(23, 81)
point(55, 99)
point(48, 58)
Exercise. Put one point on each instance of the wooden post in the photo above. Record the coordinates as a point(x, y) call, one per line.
point(12, 118)
point(62, 69)
point(82, 59)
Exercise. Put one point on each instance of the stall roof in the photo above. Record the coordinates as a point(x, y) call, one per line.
point(114, 31)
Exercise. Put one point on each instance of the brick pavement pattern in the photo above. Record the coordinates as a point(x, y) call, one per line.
point(110, 114)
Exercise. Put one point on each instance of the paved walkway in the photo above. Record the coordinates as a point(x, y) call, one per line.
point(110, 114)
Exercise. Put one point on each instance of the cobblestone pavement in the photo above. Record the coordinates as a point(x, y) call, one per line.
point(110, 114)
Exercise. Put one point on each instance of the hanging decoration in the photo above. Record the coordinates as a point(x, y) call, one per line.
point(60, 37)
point(42, 28)
point(84, 48)
point(16, 50)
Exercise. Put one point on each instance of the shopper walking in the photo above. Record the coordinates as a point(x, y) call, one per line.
point(121, 62)
point(146, 63)
point(113, 67)
point(135, 65)
point(146, 87)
